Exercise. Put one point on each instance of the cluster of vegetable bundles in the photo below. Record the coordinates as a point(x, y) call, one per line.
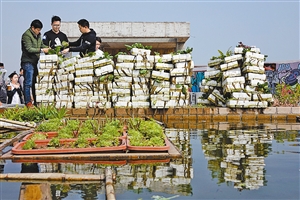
point(135, 80)
point(236, 80)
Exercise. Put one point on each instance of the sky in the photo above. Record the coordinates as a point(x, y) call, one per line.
point(272, 26)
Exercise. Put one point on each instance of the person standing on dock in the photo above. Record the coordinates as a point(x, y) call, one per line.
point(3, 94)
point(32, 46)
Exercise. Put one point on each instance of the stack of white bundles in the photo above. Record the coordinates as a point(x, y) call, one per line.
point(238, 50)
point(233, 87)
point(212, 83)
point(64, 100)
point(159, 93)
point(179, 72)
point(212, 74)
point(161, 75)
point(121, 87)
point(159, 104)
point(141, 73)
point(81, 101)
point(180, 76)
point(227, 66)
point(253, 69)
point(177, 103)
point(231, 80)
point(64, 77)
point(256, 82)
point(99, 101)
point(219, 96)
point(252, 55)
point(45, 79)
point(181, 80)
point(138, 51)
point(89, 59)
point(166, 58)
point(229, 59)
point(164, 66)
point(206, 89)
point(121, 94)
point(48, 61)
point(140, 90)
point(125, 65)
point(241, 96)
point(262, 97)
point(214, 100)
point(125, 58)
point(69, 62)
point(231, 73)
point(181, 58)
point(215, 63)
point(241, 74)
point(84, 72)
point(81, 66)
point(140, 104)
point(107, 69)
point(84, 80)
point(254, 76)
point(102, 62)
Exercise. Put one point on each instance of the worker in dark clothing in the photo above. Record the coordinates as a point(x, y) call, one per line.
point(87, 41)
point(54, 37)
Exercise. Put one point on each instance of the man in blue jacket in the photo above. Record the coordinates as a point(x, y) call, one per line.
point(87, 41)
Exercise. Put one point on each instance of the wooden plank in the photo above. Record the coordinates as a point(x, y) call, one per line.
point(15, 139)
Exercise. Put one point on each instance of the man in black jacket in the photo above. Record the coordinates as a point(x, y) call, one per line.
point(54, 37)
point(87, 41)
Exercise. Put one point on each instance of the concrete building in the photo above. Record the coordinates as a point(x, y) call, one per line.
point(164, 37)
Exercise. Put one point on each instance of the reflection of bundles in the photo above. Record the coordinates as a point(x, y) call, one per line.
point(2, 74)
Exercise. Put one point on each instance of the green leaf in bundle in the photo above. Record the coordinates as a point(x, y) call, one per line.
point(128, 47)
point(51, 51)
point(120, 53)
point(110, 77)
point(178, 85)
point(143, 72)
point(222, 56)
point(102, 78)
point(148, 47)
point(107, 56)
point(65, 44)
point(184, 90)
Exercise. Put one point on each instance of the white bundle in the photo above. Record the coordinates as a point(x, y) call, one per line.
point(104, 70)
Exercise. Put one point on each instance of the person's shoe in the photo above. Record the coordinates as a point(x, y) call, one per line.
point(29, 105)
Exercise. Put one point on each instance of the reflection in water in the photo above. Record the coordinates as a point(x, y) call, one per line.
point(234, 154)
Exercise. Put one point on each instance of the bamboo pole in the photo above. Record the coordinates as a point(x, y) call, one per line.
point(24, 124)
point(15, 139)
point(49, 177)
point(110, 193)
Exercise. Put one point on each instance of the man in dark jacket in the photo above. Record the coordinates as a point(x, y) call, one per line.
point(54, 37)
point(32, 46)
point(87, 41)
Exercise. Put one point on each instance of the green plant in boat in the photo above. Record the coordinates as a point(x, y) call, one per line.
point(145, 133)
point(38, 136)
point(54, 142)
point(29, 144)
point(50, 125)
point(82, 142)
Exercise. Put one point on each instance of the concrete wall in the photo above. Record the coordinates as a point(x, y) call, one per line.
point(164, 37)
